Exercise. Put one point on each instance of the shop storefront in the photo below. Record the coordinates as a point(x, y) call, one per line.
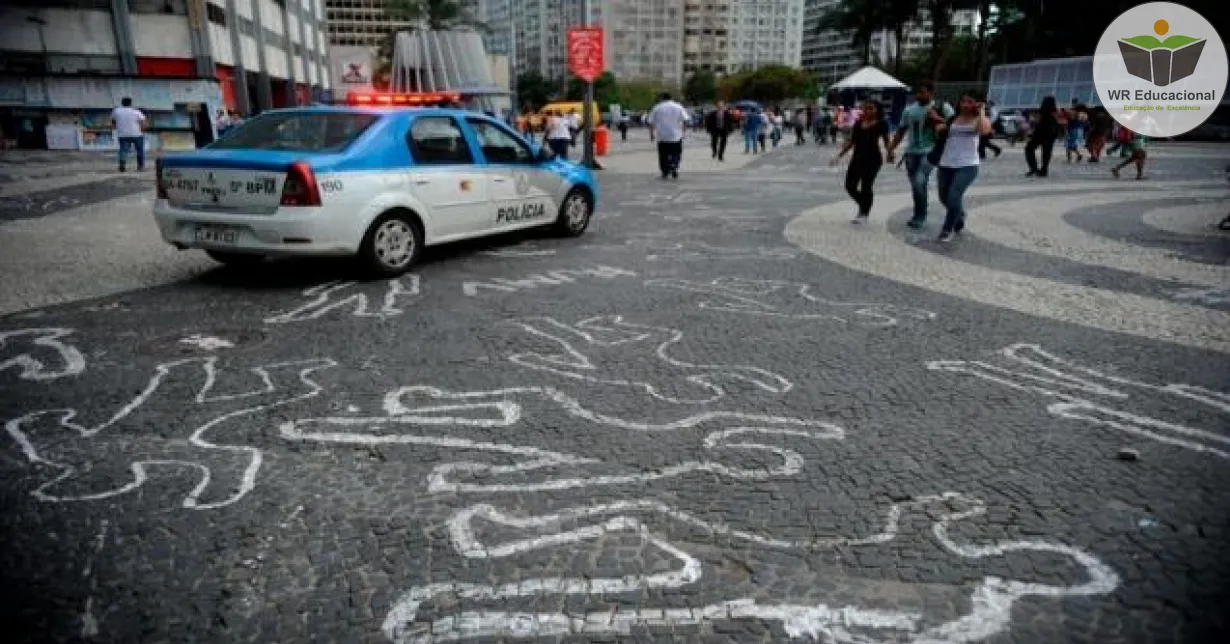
point(75, 113)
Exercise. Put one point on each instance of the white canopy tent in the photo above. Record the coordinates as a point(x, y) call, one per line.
point(868, 78)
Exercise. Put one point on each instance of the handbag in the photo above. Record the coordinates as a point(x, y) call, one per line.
point(937, 152)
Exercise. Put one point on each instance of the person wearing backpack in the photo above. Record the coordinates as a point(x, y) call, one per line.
point(958, 160)
point(920, 121)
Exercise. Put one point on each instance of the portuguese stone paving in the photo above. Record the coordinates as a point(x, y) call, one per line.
point(724, 415)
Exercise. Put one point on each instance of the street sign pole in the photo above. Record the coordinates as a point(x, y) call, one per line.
point(587, 141)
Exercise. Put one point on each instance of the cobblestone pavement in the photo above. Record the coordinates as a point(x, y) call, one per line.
point(726, 414)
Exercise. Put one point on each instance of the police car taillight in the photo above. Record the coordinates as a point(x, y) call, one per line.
point(300, 188)
point(159, 181)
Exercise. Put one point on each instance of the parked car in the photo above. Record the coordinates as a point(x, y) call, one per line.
point(376, 183)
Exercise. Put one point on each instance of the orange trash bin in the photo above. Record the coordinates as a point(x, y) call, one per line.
point(602, 140)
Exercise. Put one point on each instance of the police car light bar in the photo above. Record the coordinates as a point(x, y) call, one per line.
point(411, 99)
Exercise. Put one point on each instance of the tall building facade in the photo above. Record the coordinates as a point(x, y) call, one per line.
point(361, 23)
point(764, 32)
point(64, 64)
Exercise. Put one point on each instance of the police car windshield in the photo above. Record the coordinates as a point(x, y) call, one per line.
point(298, 131)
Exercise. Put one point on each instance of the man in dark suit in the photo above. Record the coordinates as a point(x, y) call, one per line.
point(719, 123)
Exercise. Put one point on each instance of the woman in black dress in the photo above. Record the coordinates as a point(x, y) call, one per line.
point(865, 138)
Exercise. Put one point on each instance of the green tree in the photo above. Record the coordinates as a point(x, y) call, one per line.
point(641, 95)
point(533, 91)
point(701, 87)
point(771, 83)
point(606, 90)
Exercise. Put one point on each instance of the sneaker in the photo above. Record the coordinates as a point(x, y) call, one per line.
point(674, 174)
point(998, 152)
point(122, 168)
point(860, 218)
point(916, 224)
point(1031, 173)
point(945, 236)
point(1115, 172)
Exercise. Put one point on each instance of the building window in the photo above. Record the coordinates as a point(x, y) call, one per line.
point(246, 27)
point(216, 14)
point(85, 64)
point(176, 7)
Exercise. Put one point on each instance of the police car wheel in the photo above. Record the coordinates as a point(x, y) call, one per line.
point(574, 214)
point(235, 259)
point(392, 243)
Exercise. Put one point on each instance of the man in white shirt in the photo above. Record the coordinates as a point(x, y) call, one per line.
point(667, 121)
point(129, 124)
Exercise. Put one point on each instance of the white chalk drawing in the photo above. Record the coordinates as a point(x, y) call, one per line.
point(85, 457)
point(207, 342)
point(741, 435)
point(41, 354)
point(651, 200)
point(1085, 394)
point(775, 298)
point(614, 347)
point(329, 297)
point(693, 250)
point(527, 249)
point(991, 600)
point(547, 278)
point(1206, 296)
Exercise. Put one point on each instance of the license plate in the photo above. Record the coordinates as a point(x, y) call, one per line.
point(216, 235)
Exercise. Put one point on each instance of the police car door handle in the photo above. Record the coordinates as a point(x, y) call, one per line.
point(421, 180)
point(499, 179)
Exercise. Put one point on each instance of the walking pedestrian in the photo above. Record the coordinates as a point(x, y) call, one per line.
point(800, 126)
point(719, 124)
point(1045, 130)
point(1077, 122)
point(667, 121)
point(958, 162)
point(129, 125)
point(766, 125)
point(865, 138)
point(1100, 126)
point(623, 127)
point(752, 120)
point(920, 121)
point(558, 135)
point(1138, 149)
point(985, 142)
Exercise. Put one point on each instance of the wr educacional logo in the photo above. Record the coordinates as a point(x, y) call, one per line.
point(1161, 61)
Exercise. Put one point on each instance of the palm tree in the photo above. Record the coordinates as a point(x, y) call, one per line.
point(898, 14)
point(859, 18)
point(436, 15)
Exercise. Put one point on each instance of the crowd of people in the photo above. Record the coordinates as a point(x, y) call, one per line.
point(951, 142)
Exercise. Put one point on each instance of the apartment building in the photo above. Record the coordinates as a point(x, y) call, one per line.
point(64, 64)
point(764, 32)
point(360, 23)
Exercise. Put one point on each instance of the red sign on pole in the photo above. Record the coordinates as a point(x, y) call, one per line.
point(586, 58)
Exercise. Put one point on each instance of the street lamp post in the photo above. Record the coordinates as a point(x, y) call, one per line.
point(514, 104)
point(587, 145)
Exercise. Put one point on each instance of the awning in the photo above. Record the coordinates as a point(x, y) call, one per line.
point(869, 78)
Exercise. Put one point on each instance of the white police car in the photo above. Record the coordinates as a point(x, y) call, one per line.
point(380, 183)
